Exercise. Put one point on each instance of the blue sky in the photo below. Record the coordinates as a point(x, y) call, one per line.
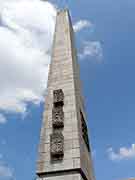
point(105, 44)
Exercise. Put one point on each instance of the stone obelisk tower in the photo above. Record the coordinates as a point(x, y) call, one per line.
point(64, 151)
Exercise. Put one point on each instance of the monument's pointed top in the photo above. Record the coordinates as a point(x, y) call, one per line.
point(63, 10)
point(65, 13)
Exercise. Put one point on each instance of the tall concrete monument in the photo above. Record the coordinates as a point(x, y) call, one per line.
point(64, 151)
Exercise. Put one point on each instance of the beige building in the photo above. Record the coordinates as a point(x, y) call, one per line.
point(64, 150)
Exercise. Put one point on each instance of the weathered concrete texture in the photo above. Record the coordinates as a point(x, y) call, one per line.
point(64, 74)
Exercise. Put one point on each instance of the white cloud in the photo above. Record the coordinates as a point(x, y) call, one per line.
point(81, 24)
point(92, 49)
point(3, 119)
point(124, 153)
point(26, 33)
point(5, 171)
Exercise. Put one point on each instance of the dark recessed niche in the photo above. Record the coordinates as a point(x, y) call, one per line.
point(85, 131)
